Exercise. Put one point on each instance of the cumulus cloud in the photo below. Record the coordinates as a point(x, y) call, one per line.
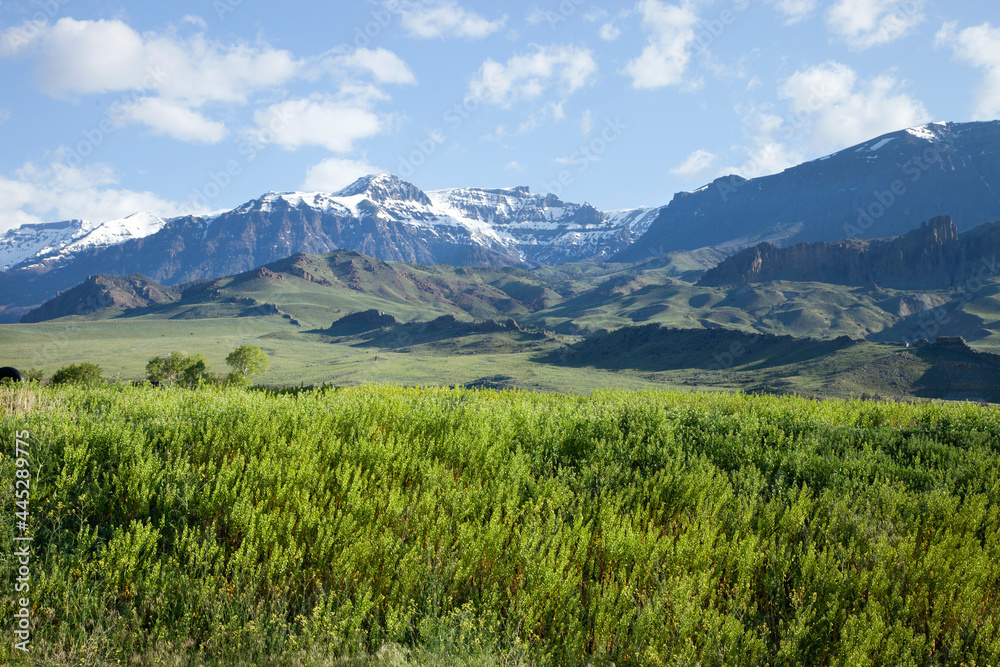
point(60, 192)
point(528, 76)
point(609, 32)
point(320, 121)
point(175, 121)
point(87, 57)
point(384, 65)
point(978, 46)
point(794, 10)
point(335, 174)
point(666, 57)
point(867, 23)
point(696, 163)
point(445, 18)
point(168, 82)
point(838, 109)
point(514, 166)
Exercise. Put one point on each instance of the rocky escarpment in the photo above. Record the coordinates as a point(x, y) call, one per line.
point(98, 292)
point(935, 254)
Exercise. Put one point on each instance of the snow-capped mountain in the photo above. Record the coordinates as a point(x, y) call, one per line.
point(542, 228)
point(510, 222)
point(381, 216)
point(882, 187)
point(58, 241)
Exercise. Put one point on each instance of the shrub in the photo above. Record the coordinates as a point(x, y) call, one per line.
point(85, 373)
point(178, 368)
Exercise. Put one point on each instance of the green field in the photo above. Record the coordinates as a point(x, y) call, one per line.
point(385, 525)
point(288, 306)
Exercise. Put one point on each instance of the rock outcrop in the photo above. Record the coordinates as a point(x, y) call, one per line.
point(934, 254)
point(100, 291)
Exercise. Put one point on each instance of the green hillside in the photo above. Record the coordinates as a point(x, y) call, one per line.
point(287, 308)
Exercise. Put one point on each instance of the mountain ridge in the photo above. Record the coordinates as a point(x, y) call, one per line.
point(878, 188)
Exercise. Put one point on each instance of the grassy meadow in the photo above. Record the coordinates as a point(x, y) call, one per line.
point(403, 526)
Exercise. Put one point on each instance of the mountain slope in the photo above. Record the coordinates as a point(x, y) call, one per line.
point(380, 216)
point(882, 187)
point(59, 241)
point(99, 292)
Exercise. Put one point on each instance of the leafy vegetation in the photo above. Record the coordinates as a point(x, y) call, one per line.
point(178, 368)
point(410, 525)
point(33, 375)
point(248, 360)
point(85, 374)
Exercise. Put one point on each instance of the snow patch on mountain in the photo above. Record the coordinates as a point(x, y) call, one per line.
point(57, 241)
point(513, 221)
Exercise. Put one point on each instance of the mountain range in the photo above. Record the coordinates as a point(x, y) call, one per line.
point(381, 216)
point(881, 188)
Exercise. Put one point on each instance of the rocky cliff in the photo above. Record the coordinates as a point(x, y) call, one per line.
point(934, 254)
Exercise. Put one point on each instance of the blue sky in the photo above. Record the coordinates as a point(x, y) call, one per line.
point(191, 106)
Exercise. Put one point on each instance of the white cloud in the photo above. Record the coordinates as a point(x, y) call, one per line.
point(978, 46)
point(665, 59)
point(514, 166)
point(175, 121)
point(196, 21)
point(335, 174)
point(837, 110)
point(168, 81)
point(609, 32)
point(696, 163)
point(384, 65)
point(795, 10)
point(537, 16)
point(88, 57)
point(60, 192)
point(445, 18)
point(587, 122)
point(551, 110)
point(528, 76)
point(4, 115)
point(765, 156)
point(867, 23)
point(332, 124)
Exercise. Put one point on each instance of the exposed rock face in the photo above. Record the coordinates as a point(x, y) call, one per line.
point(366, 320)
point(100, 291)
point(933, 254)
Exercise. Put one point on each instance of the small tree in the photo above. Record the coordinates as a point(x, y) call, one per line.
point(85, 373)
point(177, 368)
point(33, 375)
point(248, 360)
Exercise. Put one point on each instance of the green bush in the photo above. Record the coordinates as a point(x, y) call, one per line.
point(85, 374)
point(178, 368)
point(34, 375)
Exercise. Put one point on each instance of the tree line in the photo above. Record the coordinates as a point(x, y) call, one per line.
point(176, 368)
